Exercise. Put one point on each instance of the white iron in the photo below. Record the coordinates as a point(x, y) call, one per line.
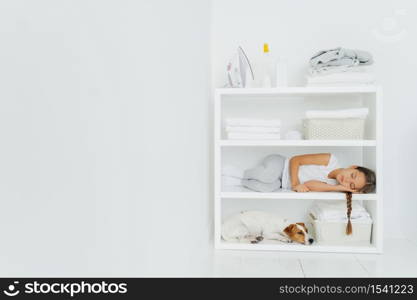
point(239, 71)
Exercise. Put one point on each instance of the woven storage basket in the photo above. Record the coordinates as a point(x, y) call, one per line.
point(334, 129)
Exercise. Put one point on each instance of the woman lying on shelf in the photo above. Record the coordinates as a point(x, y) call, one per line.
point(309, 172)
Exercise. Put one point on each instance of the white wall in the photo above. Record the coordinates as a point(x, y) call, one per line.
point(104, 113)
point(297, 29)
point(104, 137)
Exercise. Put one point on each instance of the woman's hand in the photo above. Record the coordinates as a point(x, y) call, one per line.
point(301, 188)
point(318, 186)
point(343, 188)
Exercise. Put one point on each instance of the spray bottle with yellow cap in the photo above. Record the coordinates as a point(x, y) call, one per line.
point(267, 68)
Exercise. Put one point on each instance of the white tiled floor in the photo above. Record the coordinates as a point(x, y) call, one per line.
point(398, 260)
point(255, 264)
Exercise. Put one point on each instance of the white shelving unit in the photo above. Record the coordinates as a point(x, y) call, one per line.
point(289, 104)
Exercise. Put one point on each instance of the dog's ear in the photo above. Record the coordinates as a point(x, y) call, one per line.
point(289, 228)
point(304, 225)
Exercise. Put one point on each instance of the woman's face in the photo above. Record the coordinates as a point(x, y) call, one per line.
point(351, 178)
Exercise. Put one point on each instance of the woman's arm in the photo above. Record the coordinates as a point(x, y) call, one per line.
point(318, 186)
point(306, 159)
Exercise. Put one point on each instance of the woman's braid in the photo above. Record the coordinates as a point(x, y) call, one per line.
point(349, 211)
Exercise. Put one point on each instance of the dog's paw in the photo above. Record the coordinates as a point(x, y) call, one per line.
point(259, 238)
point(254, 241)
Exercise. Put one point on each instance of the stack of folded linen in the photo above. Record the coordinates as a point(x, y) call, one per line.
point(340, 66)
point(353, 113)
point(253, 129)
point(336, 211)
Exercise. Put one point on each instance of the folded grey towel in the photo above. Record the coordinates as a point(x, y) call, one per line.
point(340, 57)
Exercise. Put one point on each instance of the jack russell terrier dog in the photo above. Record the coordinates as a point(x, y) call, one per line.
point(255, 226)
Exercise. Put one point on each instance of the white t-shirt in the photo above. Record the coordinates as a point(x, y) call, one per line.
point(311, 172)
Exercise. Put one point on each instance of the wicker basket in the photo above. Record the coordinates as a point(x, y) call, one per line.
point(334, 129)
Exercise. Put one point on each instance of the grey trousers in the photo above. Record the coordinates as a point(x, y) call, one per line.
point(267, 176)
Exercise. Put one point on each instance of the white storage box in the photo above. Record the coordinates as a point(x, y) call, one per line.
point(334, 129)
point(334, 232)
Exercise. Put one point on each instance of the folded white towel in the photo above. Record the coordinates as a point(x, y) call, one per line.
point(336, 206)
point(340, 84)
point(343, 77)
point(339, 69)
point(326, 211)
point(319, 215)
point(358, 113)
point(253, 129)
point(354, 218)
point(253, 122)
point(253, 136)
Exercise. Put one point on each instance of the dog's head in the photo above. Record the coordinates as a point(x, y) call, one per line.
point(298, 232)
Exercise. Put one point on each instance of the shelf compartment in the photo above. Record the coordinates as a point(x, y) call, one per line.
point(242, 193)
point(297, 143)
